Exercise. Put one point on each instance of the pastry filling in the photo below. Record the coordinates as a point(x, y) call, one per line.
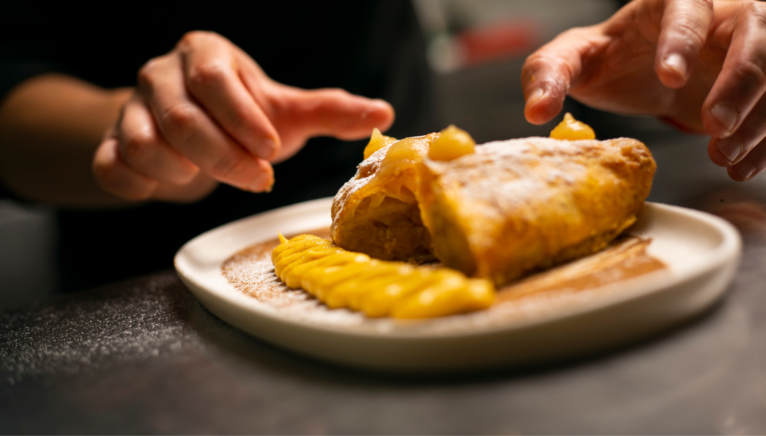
point(388, 229)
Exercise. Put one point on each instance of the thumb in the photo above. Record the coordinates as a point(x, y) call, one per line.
point(337, 113)
point(549, 72)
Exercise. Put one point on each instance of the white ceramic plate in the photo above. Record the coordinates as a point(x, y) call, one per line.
point(701, 252)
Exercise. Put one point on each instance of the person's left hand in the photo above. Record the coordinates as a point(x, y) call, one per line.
point(698, 63)
point(206, 113)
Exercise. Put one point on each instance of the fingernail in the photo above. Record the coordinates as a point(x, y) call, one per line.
point(745, 169)
point(726, 116)
point(266, 148)
point(537, 94)
point(729, 148)
point(677, 63)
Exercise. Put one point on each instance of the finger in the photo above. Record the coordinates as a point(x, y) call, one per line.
point(742, 81)
point(715, 154)
point(335, 112)
point(188, 129)
point(145, 151)
point(750, 133)
point(116, 177)
point(548, 73)
point(751, 165)
point(683, 31)
point(213, 80)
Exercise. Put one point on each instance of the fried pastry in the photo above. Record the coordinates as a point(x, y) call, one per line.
point(497, 211)
point(525, 204)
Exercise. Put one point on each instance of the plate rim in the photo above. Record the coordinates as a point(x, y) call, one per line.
point(631, 289)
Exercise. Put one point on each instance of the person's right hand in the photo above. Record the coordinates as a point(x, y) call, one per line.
point(206, 113)
point(698, 63)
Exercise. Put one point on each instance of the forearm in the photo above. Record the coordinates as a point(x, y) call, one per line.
point(50, 127)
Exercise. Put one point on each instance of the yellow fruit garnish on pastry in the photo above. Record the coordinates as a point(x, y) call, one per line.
point(377, 141)
point(572, 129)
point(451, 144)
point(344, 279)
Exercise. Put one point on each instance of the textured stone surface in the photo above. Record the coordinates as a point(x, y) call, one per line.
point(145, 357)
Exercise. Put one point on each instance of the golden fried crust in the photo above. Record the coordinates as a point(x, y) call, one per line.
point(524, 204)
point(376, 212)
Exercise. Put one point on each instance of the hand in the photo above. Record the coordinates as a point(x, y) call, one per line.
point(206, 113)
point(699, 63)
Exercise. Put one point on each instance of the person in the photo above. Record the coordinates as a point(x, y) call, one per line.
point(210, 112)
point(64, 69)
point(700, 64)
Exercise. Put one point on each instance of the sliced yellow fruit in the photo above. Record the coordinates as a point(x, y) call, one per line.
point(344, 279)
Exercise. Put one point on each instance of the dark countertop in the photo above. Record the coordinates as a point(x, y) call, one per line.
point(145, 357)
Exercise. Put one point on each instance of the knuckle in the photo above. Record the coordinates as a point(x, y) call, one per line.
point(572, 32)
point(190, 38)
point(750, 9)
point(705, 5)
point(690, 33)
point(207, 74)
point(179, 120)
point(195, 37)
point(535, 60)
point(750, 74)
point(331, 96)
point(546, 62)
point(134, 147)
point(757, 11)
point(338, 93)
point(147, 72)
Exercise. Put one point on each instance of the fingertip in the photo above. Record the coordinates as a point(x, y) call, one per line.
point(719, 119)
point(715, 154)
point(383, 113)
point(360, 120)
point(746, 169)
point(673, 70)
point(734, 175)
point(541, 107)
point(382, 105)
point(264, 180)
point(376, 113)
point(190, 172)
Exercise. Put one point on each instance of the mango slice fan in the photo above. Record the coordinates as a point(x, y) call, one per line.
point(344, 279)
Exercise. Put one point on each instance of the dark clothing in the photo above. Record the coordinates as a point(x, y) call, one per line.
point(371, 48)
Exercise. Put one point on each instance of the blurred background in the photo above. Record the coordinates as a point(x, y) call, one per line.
point(475, 49)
